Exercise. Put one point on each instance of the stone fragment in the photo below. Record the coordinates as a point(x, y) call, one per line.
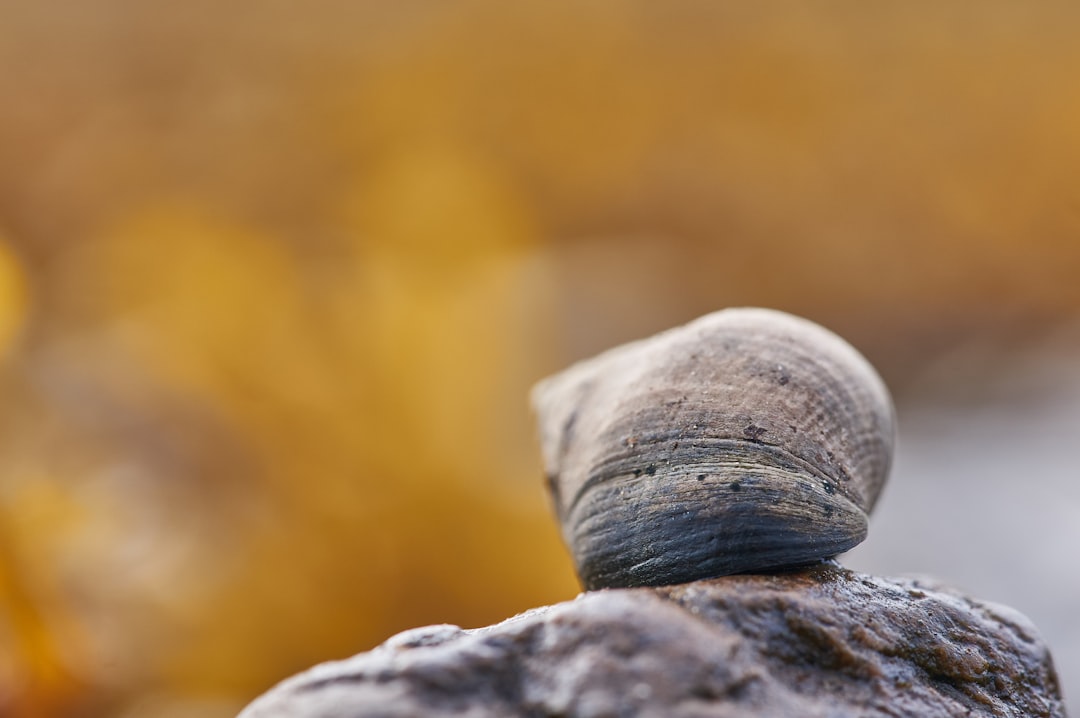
point(820, 642)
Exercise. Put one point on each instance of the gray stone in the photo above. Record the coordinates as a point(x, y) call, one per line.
point(820, 642)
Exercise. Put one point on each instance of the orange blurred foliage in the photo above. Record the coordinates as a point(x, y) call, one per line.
point(293, 270)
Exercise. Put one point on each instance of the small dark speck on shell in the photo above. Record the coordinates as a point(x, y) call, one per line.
point(754, 432)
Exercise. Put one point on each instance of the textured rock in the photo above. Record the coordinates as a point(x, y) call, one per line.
point(823, 641)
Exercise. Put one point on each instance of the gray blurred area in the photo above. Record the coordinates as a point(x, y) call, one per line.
point(985, 491)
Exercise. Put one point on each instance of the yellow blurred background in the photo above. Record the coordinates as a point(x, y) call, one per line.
point(275, 279)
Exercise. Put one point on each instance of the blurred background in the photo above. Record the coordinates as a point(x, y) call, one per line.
point(275, 279)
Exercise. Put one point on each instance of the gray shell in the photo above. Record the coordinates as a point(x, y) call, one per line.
point(747, 440)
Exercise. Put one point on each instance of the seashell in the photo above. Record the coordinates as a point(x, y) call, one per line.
point(748, 440)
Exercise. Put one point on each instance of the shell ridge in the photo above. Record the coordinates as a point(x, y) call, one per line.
point(612, 468)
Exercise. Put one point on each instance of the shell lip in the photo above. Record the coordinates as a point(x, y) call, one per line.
point(751, 508)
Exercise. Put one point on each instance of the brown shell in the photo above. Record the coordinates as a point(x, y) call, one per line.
point(747, 440)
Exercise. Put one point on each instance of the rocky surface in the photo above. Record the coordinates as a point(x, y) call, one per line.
point(822, 641)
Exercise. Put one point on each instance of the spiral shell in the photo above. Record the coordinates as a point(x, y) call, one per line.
point(747, 440)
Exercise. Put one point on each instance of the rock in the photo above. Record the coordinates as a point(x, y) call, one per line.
point(822, 641)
